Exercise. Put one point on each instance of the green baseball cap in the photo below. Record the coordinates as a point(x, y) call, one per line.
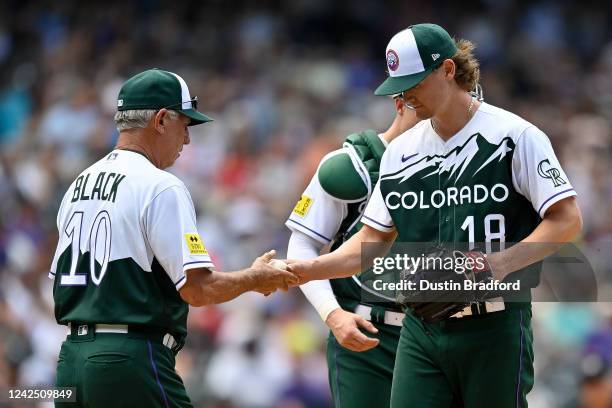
point(157, 89)
point(412, 54)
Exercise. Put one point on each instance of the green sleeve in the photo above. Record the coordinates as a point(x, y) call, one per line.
point(339, 178)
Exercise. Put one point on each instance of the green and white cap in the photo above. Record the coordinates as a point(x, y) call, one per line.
point(157, 89)
point(412, 54)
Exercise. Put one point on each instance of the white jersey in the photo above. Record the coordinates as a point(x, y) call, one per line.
point(123, 224)
point(318, 214)
point(321, 211)
point(493, 180)
point(329, 211)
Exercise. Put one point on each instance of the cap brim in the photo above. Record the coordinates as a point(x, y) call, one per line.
point(196, 117)
point(395, 85)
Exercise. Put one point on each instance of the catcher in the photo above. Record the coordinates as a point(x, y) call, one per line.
point(360, 367)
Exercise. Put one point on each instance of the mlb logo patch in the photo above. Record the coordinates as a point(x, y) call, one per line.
point(82, 330)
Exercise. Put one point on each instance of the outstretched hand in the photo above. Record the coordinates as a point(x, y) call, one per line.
point(268, 279)
point(300, 268)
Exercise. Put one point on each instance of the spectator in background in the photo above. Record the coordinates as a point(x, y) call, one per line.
point(596, 382)
point(286, 84)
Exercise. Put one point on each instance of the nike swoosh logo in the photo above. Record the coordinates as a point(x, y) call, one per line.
point(404, 159)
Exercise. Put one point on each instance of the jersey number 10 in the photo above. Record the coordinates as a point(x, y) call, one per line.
point(99, 243)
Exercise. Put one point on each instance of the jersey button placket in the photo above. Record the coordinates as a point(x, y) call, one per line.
point(446, 230)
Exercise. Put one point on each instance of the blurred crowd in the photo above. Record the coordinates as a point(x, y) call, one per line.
point(285, 83)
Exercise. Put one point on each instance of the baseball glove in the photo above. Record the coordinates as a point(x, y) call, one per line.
point(439, 291)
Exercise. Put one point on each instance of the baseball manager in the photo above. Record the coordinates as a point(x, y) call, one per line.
point(130, 259)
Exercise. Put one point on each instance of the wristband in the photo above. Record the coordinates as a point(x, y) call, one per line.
point(326, 307)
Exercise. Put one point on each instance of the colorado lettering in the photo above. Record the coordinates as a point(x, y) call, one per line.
point(104, 187)
point(475, 194)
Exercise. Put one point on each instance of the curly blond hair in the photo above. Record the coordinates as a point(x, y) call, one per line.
point(467, 72)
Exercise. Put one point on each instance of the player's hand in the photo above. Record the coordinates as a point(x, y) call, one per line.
point(345, 327)
point(300, 268)
point(269, 279)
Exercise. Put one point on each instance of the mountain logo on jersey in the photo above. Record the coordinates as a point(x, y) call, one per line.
point(463, 176)
point(546, 171)
point(456, 161)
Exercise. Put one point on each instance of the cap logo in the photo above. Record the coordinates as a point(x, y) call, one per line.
point(120, 103)
point(392, 60)
point(435, 56)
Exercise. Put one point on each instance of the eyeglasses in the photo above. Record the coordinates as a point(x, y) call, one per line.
point(194, 104)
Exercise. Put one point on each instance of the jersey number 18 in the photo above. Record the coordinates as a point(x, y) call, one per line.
point(490, 235)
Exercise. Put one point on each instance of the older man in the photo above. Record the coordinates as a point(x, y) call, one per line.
point(130, 259)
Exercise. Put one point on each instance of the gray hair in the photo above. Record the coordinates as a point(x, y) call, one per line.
point(137, 118)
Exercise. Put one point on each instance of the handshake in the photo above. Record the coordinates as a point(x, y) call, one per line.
point(272, 274)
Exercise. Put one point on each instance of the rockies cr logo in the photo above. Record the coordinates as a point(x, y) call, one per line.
point(548, 172)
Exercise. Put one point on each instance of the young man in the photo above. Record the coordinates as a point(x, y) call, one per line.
point(360, 367)
point(130, 259)
point(432, 188)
